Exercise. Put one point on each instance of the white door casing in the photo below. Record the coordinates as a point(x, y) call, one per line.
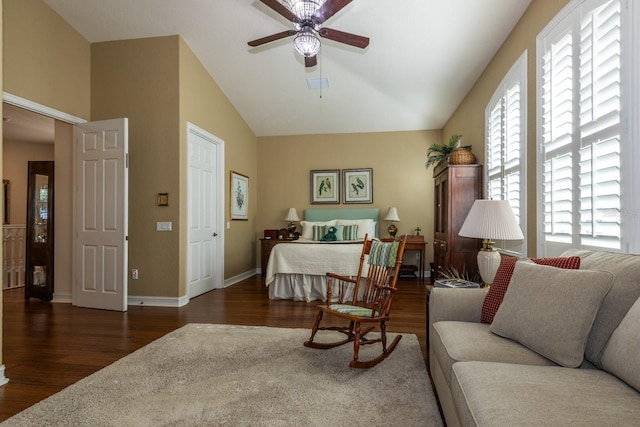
point(205, 211)
point(100, 214)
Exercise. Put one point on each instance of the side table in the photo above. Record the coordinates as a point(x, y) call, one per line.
point(417, 243)
point(265, 250)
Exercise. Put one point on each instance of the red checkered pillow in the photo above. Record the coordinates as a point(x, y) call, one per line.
point(503, 276)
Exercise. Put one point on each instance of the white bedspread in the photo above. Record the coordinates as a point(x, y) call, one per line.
point(293, 263)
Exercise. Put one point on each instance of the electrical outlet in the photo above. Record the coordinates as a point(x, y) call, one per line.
point(134, 274)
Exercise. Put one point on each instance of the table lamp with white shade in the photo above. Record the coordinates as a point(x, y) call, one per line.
point(392, 215)
point(292, 216)
point(490, 220)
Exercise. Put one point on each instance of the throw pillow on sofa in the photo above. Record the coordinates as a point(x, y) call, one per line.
point(501, 281)
point(551, 310)
point(621, 356)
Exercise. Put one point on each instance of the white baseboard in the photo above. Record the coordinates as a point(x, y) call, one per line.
point(3, 379)
point(63, 298)
point(158, 301)
point(240, 277)
point(164, 301)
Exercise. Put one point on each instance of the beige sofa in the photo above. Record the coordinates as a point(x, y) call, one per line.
point(563, 348)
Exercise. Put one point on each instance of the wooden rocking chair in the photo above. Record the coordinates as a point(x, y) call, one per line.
point(372, 307)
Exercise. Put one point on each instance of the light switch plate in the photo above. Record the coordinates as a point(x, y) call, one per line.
point(163, 226)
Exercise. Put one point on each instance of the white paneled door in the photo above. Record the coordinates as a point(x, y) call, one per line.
point(205, 248)
point(101, 222)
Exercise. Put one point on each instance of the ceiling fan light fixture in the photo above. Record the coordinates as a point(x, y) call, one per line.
point(307, 43)
point(303, 9)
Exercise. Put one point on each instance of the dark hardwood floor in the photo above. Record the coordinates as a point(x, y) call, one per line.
point(48, 346)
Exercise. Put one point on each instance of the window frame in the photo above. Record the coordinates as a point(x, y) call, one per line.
point(629, 124)
point(517, 74)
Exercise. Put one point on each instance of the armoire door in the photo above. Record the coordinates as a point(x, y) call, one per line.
point(39, 243)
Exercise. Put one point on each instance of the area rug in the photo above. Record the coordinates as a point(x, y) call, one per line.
point(205, 374)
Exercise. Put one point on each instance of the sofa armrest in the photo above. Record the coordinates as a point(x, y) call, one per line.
point(463, 305)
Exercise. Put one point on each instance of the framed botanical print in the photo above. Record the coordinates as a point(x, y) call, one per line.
point(358, 185)
point(239, 197)
point(325, 186)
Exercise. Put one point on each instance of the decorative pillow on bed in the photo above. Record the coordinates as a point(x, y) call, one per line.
point(341, 232)
point(307, 228)
point(365, 226)
point(503, 276)
point(349, 232)
point(319, 231)
point(551, 310)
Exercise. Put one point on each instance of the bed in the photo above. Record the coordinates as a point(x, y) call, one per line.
point(297, 270)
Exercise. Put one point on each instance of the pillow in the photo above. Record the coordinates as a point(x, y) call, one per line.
point(503, 275)
point(319, 231)
point(342, 232)
point(620, 356)
point(551, 310)
point(307, 227)
point(349, 232)
point(365, 226)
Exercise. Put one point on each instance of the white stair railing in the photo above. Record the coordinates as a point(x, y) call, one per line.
point(13, 249)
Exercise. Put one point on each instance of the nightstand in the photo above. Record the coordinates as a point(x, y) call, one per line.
point(265, 250)
point(417, 243)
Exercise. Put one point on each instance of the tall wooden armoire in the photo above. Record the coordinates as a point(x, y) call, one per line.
point(456, 188)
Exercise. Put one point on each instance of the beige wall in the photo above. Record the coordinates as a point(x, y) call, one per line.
point(45, 60)
point(16, 155)
point(399, 176)
point(138, 79)
point(63, 219)
point(468, 119)
point(203, 104)
point(162, 87)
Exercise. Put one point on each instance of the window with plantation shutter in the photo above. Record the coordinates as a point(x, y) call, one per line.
point(505, 142)
point(583, 79)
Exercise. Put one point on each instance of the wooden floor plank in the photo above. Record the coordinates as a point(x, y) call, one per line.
point(48, 346)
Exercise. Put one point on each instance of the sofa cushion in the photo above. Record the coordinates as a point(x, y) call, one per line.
point(500, 394)
point(503, 277)
point(625, 291)
point(621, 356)
point(536, 307)
point(455, 341)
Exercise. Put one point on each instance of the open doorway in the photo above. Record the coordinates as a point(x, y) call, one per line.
point(27, 136)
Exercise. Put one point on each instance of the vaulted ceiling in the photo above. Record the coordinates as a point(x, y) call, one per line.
point(423, 57)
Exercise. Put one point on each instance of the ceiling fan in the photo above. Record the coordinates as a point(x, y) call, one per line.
point(308, 16)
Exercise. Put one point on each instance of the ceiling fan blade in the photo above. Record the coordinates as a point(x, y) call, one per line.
point(328, 9)
point(310, 61)
point(281, 9)
point(346, 38)
point(271, 38)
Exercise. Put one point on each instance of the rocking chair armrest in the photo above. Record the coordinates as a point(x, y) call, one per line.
point(343, 283)
point(343, 278)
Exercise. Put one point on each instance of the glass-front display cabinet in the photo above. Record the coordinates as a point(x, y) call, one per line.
point(39, 243)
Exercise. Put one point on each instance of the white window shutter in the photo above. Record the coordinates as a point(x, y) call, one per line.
point(580, 133)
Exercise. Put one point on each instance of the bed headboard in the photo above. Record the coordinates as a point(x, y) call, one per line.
point(329, 214)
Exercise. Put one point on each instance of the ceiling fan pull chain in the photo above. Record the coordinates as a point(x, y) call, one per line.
point(320, 68)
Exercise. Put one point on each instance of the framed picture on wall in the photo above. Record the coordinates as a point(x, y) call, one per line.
point(325, 186)
point(239, 196)
point(358, 185)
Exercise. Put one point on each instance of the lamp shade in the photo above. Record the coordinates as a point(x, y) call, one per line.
point(392, 215)
point(489, 220)
point(492, 220)
point(292, 215)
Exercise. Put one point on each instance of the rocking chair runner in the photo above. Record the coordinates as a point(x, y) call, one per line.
point(372, 307)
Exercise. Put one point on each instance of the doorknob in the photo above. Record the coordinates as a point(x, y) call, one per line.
point(215, 234)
